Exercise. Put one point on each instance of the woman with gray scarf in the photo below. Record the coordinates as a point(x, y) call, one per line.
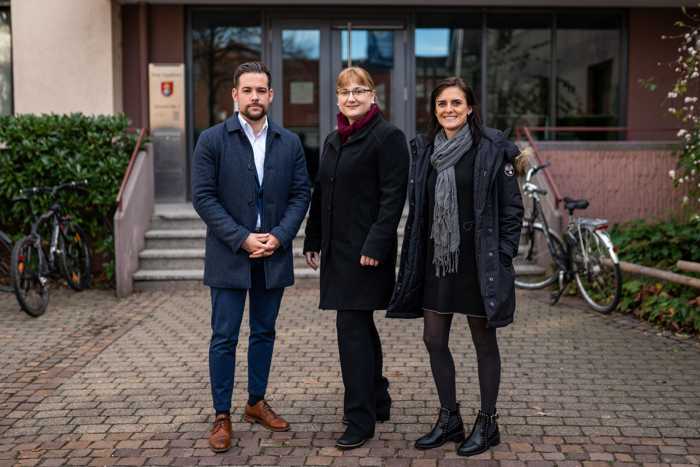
point(461, 235)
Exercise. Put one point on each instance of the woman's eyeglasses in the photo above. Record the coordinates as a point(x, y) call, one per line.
point(357, 92)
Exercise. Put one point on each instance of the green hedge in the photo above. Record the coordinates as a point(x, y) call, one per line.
point(660, 245)
point(45, 150)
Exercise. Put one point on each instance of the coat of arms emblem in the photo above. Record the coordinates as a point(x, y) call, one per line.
point(166, 88)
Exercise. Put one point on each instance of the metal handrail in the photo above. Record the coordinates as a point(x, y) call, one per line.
point(130, 167)
point(550, 180)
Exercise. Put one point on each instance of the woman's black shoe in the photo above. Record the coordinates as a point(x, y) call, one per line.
point(484, 435)
point(351, 440)
point(449, 427)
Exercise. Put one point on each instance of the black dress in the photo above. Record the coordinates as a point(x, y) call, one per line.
point(456, 292)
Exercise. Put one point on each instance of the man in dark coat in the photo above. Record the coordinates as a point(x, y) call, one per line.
point(251, 188)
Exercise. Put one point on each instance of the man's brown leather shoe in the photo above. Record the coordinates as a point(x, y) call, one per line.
point(263, 414)
point(220, 436)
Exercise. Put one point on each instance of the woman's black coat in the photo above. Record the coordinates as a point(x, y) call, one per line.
point(356, 206)
point(498, 216)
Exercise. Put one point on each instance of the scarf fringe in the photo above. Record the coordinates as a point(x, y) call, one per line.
point(446, 265)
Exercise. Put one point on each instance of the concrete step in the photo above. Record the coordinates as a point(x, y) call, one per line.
point(158, 278)
point(179, 216)
point(195, 238)
point(175, 239)
point(191, 278)
point(184, 217)
point(171, 259)
point(191, 259)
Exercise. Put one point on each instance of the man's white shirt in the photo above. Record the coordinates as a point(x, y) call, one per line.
point(258, 143)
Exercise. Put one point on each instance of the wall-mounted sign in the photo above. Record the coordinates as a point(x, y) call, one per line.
point(301, 92)
point(166, 95)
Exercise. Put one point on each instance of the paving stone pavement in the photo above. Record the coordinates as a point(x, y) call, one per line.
point(100, 381)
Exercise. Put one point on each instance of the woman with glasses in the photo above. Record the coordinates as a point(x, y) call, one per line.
point(356, 206)
point(462, 232)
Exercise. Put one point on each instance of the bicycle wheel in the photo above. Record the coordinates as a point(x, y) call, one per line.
point(534, 265)
point(75, 257)
point(31, 288)
point(5, 261)
point(598, 277)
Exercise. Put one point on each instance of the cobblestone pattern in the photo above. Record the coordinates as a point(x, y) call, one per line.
point(98, 381)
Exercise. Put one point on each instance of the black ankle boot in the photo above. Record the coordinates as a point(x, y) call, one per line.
point(483, 436)
point(449, 427)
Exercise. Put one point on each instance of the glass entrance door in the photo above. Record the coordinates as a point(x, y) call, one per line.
point(307, 55)
point(381, 50)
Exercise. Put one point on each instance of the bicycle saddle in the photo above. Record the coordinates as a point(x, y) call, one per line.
point(572, 204)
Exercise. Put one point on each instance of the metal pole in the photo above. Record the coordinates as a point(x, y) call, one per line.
point(349, 44)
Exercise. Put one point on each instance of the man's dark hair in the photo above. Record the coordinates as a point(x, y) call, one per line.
point(251, 67)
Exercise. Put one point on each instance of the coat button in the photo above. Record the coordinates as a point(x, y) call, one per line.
point(332, 179)
point(491, 279)
point(490, 230)
point(490, 253)
point(492, 304)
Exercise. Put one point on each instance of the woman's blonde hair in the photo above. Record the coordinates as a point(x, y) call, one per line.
point(356, 72)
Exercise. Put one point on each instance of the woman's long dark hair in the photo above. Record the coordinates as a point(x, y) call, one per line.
point(473, 120)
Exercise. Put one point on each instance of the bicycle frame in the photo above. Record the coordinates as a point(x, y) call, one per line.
point(53, 214)
point(596, 233)
point(537, 215)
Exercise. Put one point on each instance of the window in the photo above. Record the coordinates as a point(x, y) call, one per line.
point(220, 42)
point(301, 53)
point(556, 68)
point(446, 47)
point(372, 50)
point(588, 71)
point(518, 70)
point(5, 63)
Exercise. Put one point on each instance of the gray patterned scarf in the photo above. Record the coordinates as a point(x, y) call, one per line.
point(445, 232)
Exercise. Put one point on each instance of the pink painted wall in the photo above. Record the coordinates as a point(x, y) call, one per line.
point(622, 181)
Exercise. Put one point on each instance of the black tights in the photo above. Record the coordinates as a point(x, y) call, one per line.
point(436, 335)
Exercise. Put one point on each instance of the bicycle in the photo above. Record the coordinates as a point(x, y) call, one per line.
point(5, 259)
point(68, 253)
point(586, 254)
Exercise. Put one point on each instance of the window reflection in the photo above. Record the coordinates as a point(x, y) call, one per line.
point(453, 50)
point(219, 44)
point(588, 73)
point(5, 63)
point(300, 72)
point(518, 70)
point(373, 51)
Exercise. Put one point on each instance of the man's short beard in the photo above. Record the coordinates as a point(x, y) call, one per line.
point(254, 118)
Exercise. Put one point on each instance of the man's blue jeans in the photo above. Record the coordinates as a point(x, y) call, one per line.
point(227, 314)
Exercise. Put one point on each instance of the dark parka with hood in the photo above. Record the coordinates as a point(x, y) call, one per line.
point(498, 218)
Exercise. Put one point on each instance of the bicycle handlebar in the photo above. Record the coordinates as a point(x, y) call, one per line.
point(27, 193)
point(529, 187)
point(534, 170)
